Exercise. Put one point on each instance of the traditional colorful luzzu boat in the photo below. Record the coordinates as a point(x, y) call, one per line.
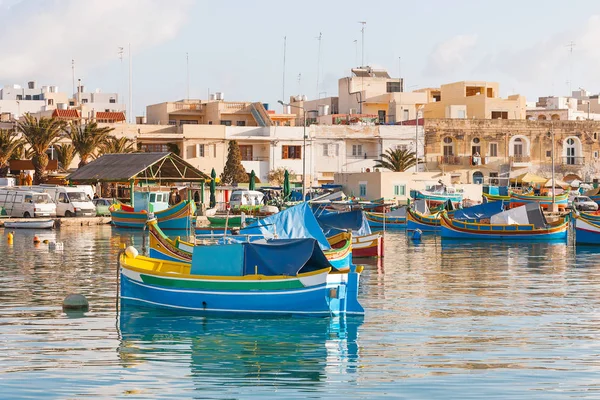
point(164, 248)
point(367, 246)
point(438, 195)
point(455, 229)
point(283, 277)
point(495, 197)
point(587, 231)
point(517, 200)
point(178, 217)
point(381, 220)
point(426, 223)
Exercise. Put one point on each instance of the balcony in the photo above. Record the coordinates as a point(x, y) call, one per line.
point(365, 156)
point(572, 160)
point(191, 107)
point(520, 161)
point(450, 160)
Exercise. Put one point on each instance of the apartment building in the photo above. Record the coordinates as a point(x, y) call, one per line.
point(472, 99)
point(216, 111)
point(16, 100)
point(482, 151)
point(327, 149)
point(558, 108)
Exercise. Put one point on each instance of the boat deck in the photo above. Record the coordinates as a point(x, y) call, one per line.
point(63, 222)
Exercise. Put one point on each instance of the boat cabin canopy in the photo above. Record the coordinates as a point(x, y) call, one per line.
point(288, 257)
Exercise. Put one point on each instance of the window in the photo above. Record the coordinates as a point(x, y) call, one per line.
point(493, 149)
point(28, 199)
point(71, 103)
point(402, 147)
point(28, 97)
point(240, 123)
point(19, 97)
point(214, 150)
point(393, 87)
point(381, 116)
point(399, 190)
point(291, 152)
point(357, 150)
point(326, 150)
point(62, 198)
point(188, 122)
point(200, 150)
point(112, 100)
point(493, 178)
point(518, 147)
point(152, 198)
point(226, 122)
point(499, 114)
point(595, 135)
point(37, 97)
point(246, 151)
point(362, 187)
point(476, 140)
point(462, 114)
point(84, 101)
point(448, 147)
point(155, 148)
point(595, 154)
point(172, 122)
point(406, 115)
point(570, 151)
point(548, 153)
point(191, 151)
point(50, 102)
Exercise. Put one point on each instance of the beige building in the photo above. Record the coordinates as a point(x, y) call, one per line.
point(215, 112)
point(482, 151)
point(472, 99)
point(396, 186)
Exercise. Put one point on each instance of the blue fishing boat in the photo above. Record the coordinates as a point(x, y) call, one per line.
point(395, 219)
point(526, 223)
point(282, 277)
point(438, 195)
point(587, 231)
point(432, 222)
point(178, 217)
point(517, 200)
point(426, 223)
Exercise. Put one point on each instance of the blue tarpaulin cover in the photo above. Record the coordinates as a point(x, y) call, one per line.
point(284, 257)
point(334, 223)
point(297, 222)
point(273, 257)
point(485, 210)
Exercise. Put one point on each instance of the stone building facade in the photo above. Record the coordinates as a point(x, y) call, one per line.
point(491, 151)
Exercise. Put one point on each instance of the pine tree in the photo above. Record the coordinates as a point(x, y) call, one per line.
point(234, 171)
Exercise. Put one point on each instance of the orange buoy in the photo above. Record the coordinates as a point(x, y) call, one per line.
point(36, 240)
point(9, 237)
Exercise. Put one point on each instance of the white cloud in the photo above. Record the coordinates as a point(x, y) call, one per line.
point(450, 55)
point(40, 37)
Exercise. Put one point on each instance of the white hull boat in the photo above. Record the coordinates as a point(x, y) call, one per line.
point(31, 224)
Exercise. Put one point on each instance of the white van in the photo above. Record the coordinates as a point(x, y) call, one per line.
point(246, 198)
point(70, 201)
point(24, 202)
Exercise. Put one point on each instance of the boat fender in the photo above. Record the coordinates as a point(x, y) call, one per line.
point(131, 252)
point(9, 237)
point(417, 234)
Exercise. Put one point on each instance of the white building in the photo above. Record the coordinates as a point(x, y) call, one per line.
point(16, 100)
point(581, 106)
point(89, 103)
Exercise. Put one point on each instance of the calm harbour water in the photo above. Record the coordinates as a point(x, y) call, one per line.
point(458, 320)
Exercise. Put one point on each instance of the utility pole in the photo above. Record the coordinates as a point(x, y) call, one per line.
point(356, 52)
point(362, 30)
point(319, 62)
point(120, 52)
point(417, 139)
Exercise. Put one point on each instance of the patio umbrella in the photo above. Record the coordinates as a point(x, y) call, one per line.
point(213, 188)
point(286, 185)
point(252, 180)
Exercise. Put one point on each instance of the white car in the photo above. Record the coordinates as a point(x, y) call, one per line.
point(584, 203)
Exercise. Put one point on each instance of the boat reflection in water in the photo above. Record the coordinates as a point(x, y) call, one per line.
point(243, 351)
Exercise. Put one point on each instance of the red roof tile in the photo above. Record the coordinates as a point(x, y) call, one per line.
point(113, 116)
point(66, 114)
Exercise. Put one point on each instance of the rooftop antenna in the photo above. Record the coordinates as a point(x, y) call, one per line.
point(120, 52)
point(319, 62)
point(362, 30)
point(130, 111)
point(570, 46)
point(187, 66)
point(299, 80)
point(283, 78)
point(356, 52)
point(73, 74)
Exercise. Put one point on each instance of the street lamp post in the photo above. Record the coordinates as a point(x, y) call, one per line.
point(303, 148)
point(553, 181)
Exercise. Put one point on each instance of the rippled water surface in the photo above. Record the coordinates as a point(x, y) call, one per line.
point(444, 320)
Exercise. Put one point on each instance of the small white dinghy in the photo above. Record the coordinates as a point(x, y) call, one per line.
point(30, 224)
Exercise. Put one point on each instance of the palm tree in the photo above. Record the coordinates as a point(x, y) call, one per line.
point(9, 144)
point(113, 145)
point(396, 160)
point(65, 153)
point(40, 134)
point(87, 139)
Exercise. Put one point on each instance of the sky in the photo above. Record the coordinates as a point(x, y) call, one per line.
point(237, 47)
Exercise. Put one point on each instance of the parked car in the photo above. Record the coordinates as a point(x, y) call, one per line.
point(22, 202)
point(102, 206)
point(584, 203)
